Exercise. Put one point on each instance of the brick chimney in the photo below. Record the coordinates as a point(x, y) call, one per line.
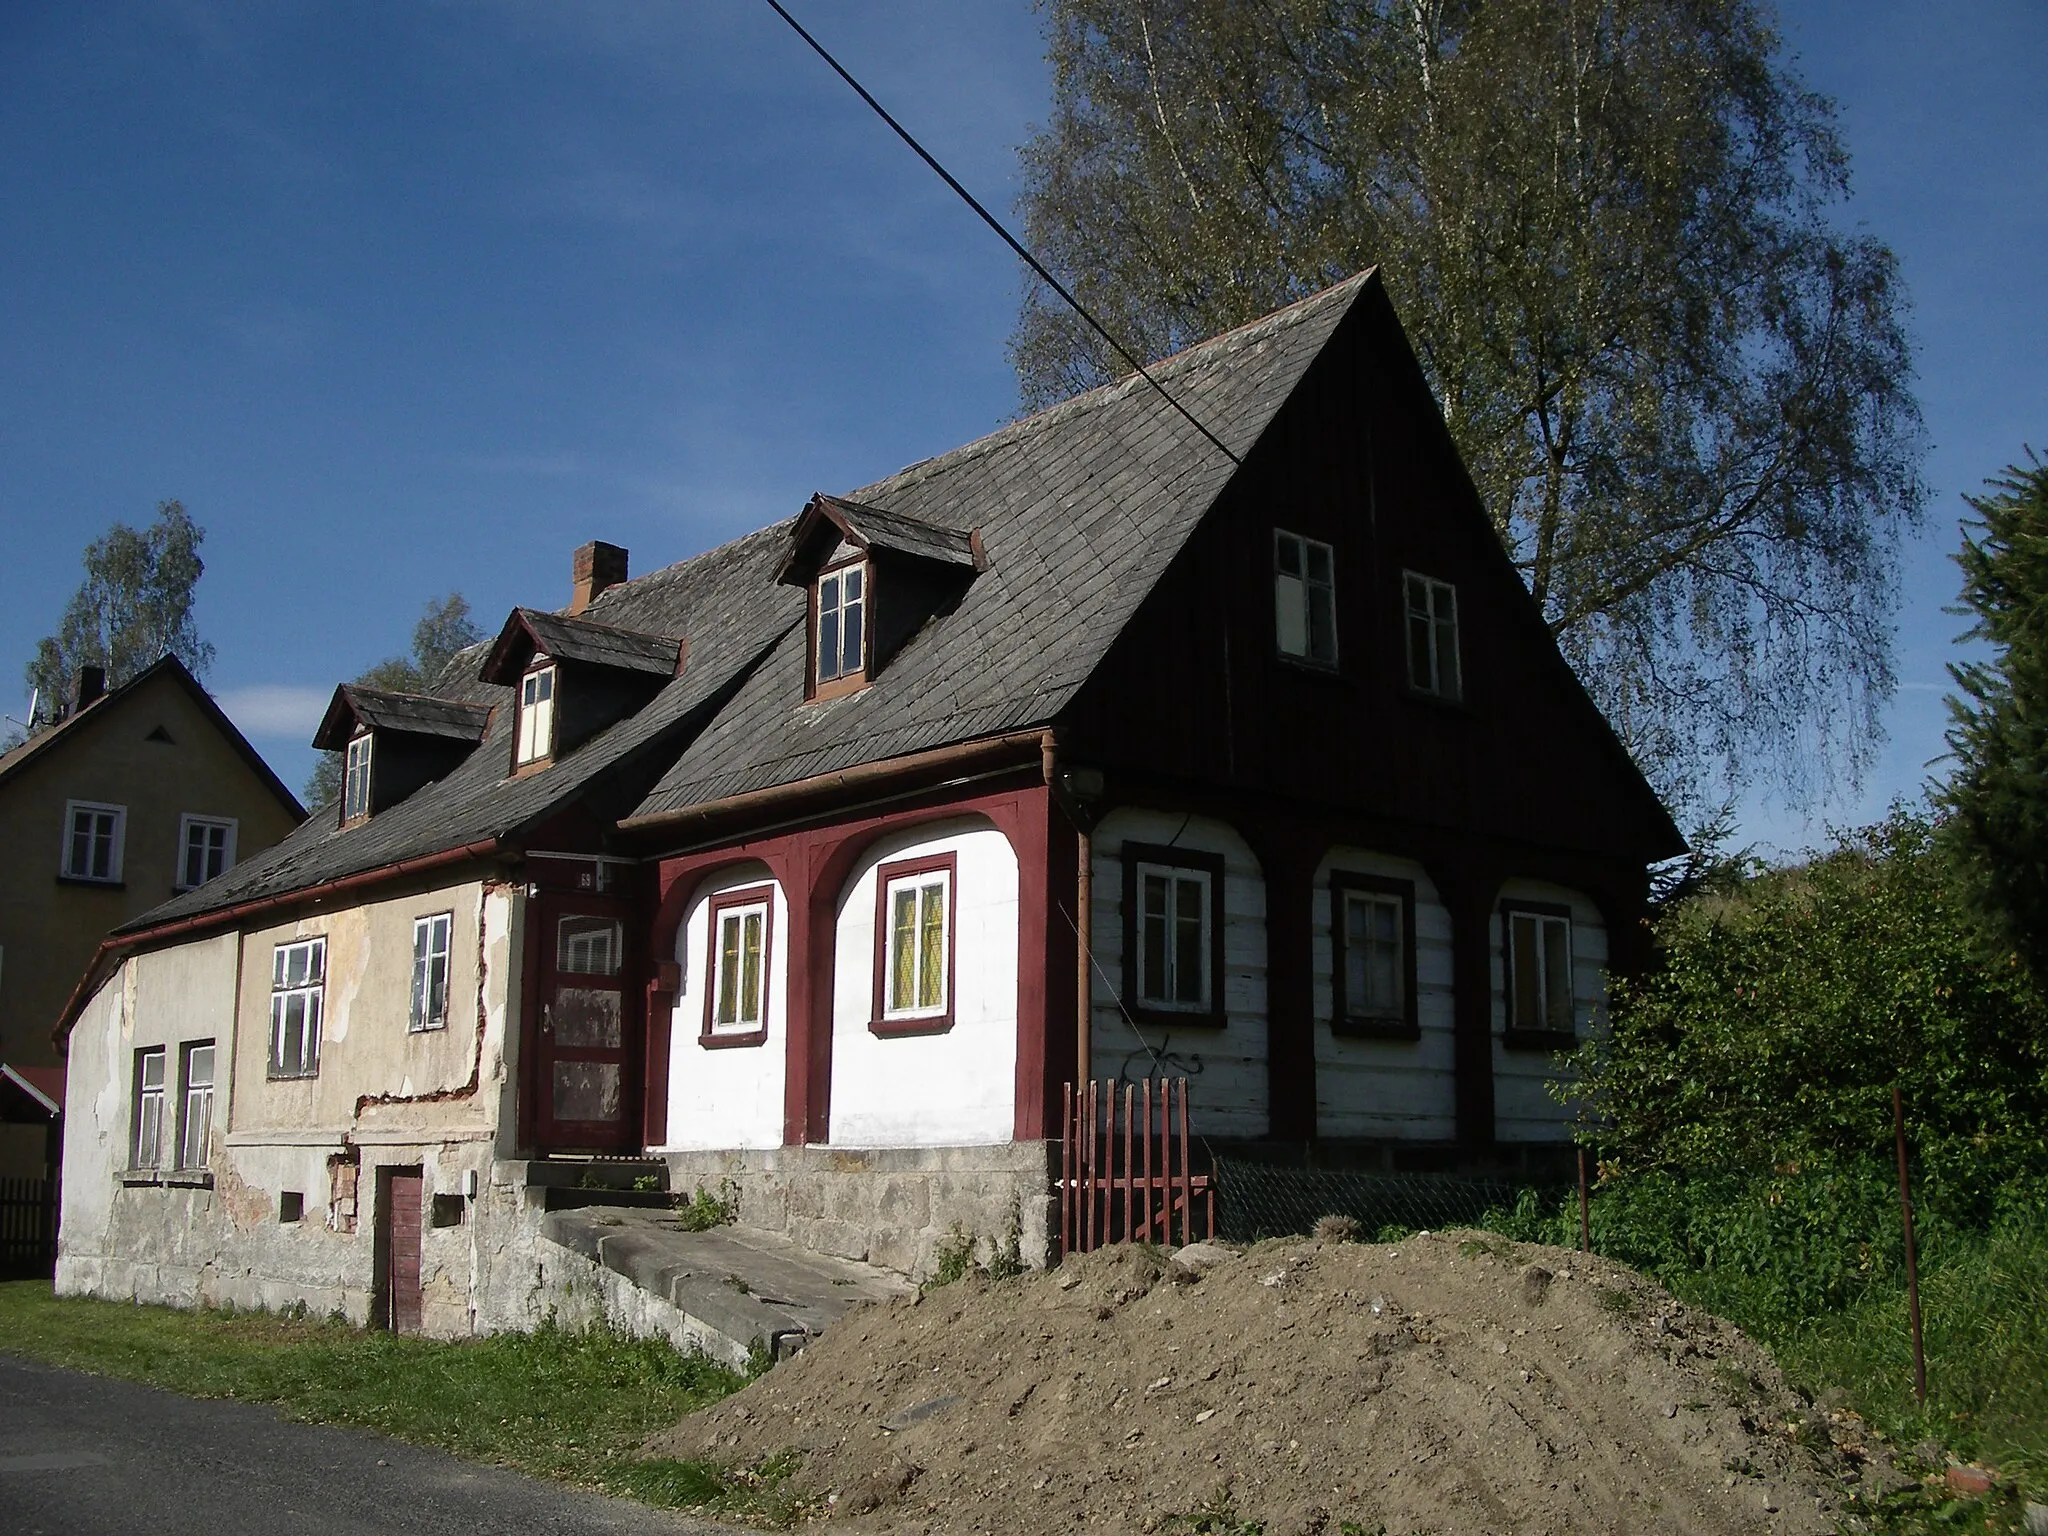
point(92, 682)
point(596, 565)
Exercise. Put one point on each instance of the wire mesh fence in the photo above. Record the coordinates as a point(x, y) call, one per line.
point(1258, 1200)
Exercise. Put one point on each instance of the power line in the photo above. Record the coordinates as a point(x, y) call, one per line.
point(995, 224)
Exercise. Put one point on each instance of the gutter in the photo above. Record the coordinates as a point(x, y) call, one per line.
point(229, 916)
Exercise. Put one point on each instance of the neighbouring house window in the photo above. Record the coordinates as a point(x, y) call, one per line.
point(1539, 969)
point(355, 781)
point(148, 1146)
point(914, 919)
point(1304, 598)
point(1372, 936)
point(1433, 636)
point(298, 984)
point(842, 623)
point(536, 714)
point(93, 835)
point(195, 1123)
point(736, 1007)
point(207, 848)
point(430, 970)
point(1173, 932)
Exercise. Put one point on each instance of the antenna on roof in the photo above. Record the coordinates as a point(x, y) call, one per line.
point(1008, 239)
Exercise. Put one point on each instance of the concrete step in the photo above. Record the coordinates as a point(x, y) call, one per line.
point(735, 1288)
point(620, 1173)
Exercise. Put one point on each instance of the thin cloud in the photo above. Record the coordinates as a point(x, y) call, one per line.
point(276, 709)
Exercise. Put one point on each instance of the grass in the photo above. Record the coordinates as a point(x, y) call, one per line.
point(574, 1407)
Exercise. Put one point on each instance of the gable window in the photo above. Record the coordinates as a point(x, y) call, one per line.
point(736, 1005)
point(93, 835)
point(430, 970)
point(355, 781)
point(1372, 941)
point(536, 713)
point(147, 1142)
point(841, 637)
point(206, 849)
point(298, 986)
point(1432, 636)
point(195, 1116)
point(1172, 933)
point(914, 934)
point(1304, 598)
point(1538, 958)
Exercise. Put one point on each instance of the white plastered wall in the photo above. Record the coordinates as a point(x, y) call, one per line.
point(953, 1089)
point(1404, 1089)
point(1225, 1068)
point(730, 1095)
point(1523, 1108)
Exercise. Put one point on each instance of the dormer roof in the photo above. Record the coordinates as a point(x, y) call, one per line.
point(355, 708)
point(826, 522)
point(529, 632)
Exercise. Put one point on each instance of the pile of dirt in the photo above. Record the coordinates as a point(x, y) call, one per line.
point(1447, 1383)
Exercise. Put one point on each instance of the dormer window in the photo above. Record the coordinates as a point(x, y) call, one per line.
point(841, 634)
point(355, 790)
point(536, 713)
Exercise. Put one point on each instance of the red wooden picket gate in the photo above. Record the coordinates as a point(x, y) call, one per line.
point(1127, 1167)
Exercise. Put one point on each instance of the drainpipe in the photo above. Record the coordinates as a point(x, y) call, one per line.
point(1084, 960)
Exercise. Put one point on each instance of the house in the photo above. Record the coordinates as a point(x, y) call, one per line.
point(139, 793)
point(816, 866)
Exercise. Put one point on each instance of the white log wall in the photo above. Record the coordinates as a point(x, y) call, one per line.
point(1523, 1108)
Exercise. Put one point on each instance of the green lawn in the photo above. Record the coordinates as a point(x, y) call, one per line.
point(573, 1407)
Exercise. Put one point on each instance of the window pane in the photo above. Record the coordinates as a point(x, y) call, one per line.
point(728, 969)
point(1448, 682)
point(1290, 616)
point(589, 946)
point(931, 989)
point(1319, 563)
point(199, 1068)
point(851, 581)
point(851, 656)
point(903, 948)
point(437, 989)
point(1557, 974)
point(1152, 940)
point(586, 1090)
point(153, 1069)
point(587, 1016)
point(828, 644)
point(419, 981)
point(1527, 964)
point(1322, 624)
point(1190, 957)
point(1420, 673)
point(294, 1048)
point(1287, 554)
point(750, 968)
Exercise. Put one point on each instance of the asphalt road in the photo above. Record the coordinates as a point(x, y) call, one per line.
point(90, 1456)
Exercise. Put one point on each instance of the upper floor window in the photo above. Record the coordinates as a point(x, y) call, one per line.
point(355, 780)
point(1432, 636)
point(147, 1139)
point(536, 713)
point(430, 970)
point(206, 848)
point(736, 1009)
point(914, 933)
point(841, 636)
point(93, 835)
point(1538, 957)
point(1372, 932)
point(298, 986)
point(1304, 598)
point(195, 1115)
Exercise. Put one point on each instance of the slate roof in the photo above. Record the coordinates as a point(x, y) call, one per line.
point(412, 714)
point(1080, 510)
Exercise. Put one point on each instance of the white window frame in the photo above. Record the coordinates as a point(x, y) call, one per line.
point(355, 776)
point(310, 990)
point(431, 944)
point(1300, 594)
point(187, 825)
point(1355, 1006)
point(1434, 605)
point(146, 1132)
point(195, 1101)
point(922, 881)
point(536, 736)
point(1542, 924)
point(1174, 875)
point(834, 581)
point(117, 841)
point(742, 1021)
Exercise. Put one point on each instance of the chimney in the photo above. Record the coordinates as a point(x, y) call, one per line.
point(92, 682)
point(596, 565)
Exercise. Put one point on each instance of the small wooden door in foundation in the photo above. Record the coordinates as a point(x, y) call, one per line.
point(399, 1219)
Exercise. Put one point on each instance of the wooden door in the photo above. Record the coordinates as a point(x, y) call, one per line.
point(399, 1219)
point(587, 1043)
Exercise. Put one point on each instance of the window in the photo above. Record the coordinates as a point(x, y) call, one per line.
point(1433, 637)
point(355, 782)
point(92, 841)
point(430, 970)
point(914, 942)
point(536, 713)
point(1304, 598)
point(1541, 1007)
point(298, 982)
point(148, 1142)
point(842, 623)
point(207, 847)
point(1372, 951)
point(736, 1004)
point(195, 1118)
point(1173, 941)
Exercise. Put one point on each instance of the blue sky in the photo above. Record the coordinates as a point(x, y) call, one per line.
point(404, 298)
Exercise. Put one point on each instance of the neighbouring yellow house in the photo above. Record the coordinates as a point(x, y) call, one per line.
point(142, 792)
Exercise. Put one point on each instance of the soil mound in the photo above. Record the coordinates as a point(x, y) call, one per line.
point(1449, 1383)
